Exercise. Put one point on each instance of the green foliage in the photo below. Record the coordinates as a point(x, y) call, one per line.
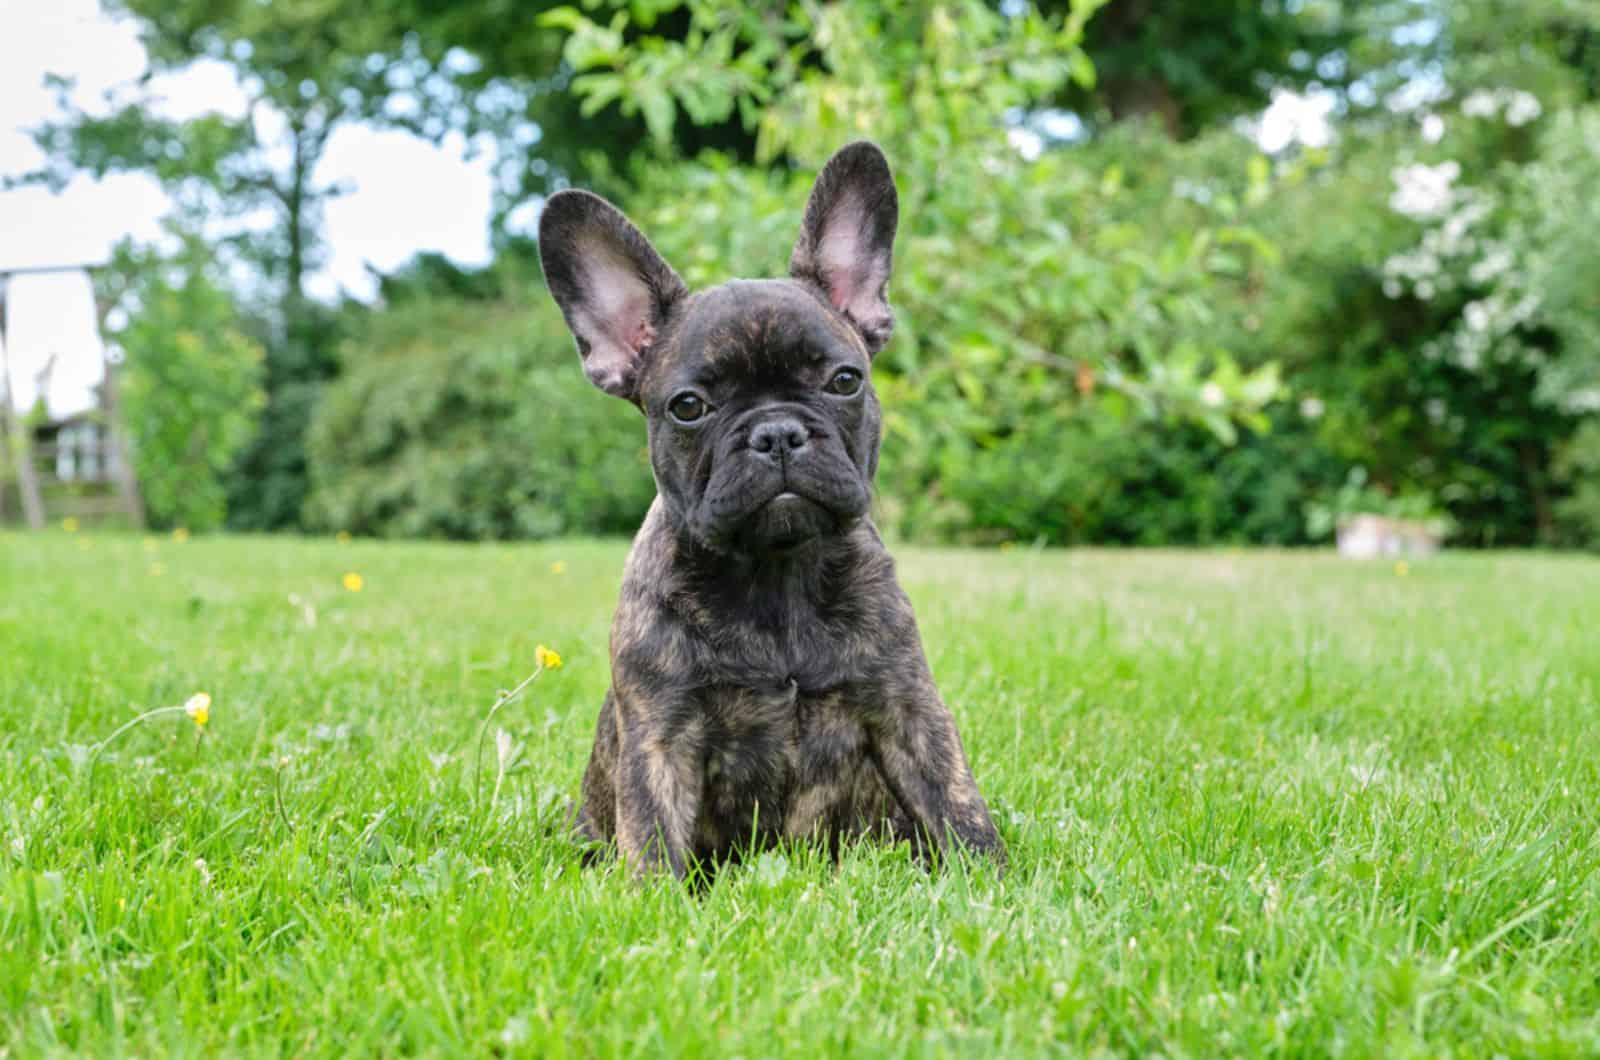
point(1190, 66)
point(268, 484)
point(1089, 479)
point(1557, 214)
point(1028, 296)
point(1578, 466)
point(469, 418)
point(802, 74)
point(190, 389)
point(1194, 65)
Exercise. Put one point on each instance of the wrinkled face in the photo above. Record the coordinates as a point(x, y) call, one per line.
point(763, 424)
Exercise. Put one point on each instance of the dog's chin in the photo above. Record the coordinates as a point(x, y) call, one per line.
point(779, 527)
point(784, 524)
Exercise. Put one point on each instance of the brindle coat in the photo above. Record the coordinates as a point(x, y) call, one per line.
point(768, 679)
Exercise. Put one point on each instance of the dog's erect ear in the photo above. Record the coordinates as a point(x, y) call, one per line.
point(612, 286)
point(846, 243)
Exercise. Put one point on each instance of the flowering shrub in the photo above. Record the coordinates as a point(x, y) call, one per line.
point(1507, 246)
point(1503, 263)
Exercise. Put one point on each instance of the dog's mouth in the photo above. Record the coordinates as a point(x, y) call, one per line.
point(784, 523)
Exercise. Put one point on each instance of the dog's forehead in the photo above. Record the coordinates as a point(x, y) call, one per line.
point(741, 319)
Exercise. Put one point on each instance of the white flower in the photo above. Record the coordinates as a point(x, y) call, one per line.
point(1522, 108)
point(1212, 396)
point(1477, 316)
point(1583, 400)
point(1496, 260)
point(1480, 104)
point(1392, 288)
point(1432, 128)
point(1312, 408)
point(1026, 142)
point(1417, 265)
point(1526, 306)
point(1452, 237)
point(1424, 191)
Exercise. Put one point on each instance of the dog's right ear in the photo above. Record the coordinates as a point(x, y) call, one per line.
point(613, 288)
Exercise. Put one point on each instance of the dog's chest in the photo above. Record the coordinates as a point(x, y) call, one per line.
point(776, 760)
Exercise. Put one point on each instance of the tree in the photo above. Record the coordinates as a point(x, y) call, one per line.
point(249, 180)
point(1193, 65)
point(1190, 65)
point(190, 385)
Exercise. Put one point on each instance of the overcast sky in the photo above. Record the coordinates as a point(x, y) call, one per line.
point(408, 196)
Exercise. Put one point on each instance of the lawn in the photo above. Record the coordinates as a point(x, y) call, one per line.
point(1256, 803)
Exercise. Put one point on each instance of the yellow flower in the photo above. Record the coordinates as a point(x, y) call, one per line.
point(157, 569)
point(150, 544)
point(70, 524)
point(558, 567)
point(1402, 568)
point(343, 537)
point(181, 534)
point(546, 658)
point(353, 582)
point(198, 707)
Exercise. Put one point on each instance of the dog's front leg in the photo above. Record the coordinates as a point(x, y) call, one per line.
point(659, 781)
point(916, 747)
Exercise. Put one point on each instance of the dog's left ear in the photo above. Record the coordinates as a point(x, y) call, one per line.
point(846, 244)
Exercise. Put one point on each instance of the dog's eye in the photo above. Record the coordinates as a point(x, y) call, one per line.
point(845, 381)
point(686, 407)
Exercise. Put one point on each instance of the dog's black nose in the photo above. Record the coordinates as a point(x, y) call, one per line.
point(779, 437)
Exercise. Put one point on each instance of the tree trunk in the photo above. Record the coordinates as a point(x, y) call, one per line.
point(1144, 97)
point(295, 205)
point(17, 451)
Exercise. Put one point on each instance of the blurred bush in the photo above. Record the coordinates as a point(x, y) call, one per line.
point(1578, 464)
point(466, 417)
point(190, 388)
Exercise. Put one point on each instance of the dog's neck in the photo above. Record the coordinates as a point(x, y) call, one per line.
point(769, 587)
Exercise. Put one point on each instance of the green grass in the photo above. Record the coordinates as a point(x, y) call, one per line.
point(1256, 803)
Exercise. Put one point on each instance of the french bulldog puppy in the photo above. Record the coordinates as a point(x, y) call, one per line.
point(767, 677)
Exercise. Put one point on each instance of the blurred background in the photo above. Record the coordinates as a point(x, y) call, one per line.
point(1225, 271)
